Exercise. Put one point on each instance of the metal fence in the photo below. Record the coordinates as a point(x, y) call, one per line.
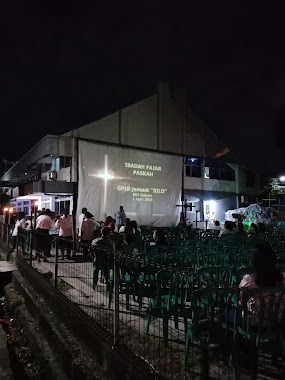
point(120, 290)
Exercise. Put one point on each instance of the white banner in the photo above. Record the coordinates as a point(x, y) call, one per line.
point(147, 185)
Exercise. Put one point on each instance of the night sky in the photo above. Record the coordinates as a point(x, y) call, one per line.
point(65, 65)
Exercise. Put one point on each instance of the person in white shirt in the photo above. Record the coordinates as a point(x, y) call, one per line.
point(87, 232)
point(121, 217)
point(64, 224)
point(217, 226)
point(127, 228)
point(20, 223)
point(28, 225)
point(228, 229)
point(42, 238)
point(80, 220)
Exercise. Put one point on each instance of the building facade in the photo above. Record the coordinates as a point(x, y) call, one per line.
point(159, 127)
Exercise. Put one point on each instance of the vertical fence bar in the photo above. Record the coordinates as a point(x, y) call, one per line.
point(7, 233)
point(56, 263)
point(17, 241)
point(2, 231)
point(31, 246)
point(116, 297)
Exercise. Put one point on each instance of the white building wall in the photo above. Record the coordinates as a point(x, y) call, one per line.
point(161, 122)
point(139, 124)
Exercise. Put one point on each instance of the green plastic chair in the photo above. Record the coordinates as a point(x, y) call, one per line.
point(214, 276)
point(207, 322)
point(169, 300)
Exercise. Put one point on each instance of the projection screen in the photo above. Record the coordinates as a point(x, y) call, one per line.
point(146, 184)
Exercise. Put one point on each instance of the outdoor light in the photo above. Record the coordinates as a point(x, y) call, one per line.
point(6, 209)
point(11, 210)
point(36, 203)
point(282, 178)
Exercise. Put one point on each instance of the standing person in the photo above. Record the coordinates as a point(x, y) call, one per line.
point(64, 224)
point(28, 228)
point(121, 217)
point(42, 238)
point(28, 225)
point(20, 223)
point(101, 256)
point(81, 219)
point(87, 232)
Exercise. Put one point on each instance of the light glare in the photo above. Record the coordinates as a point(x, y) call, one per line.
point(106, 175)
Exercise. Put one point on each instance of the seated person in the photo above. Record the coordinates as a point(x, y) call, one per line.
point(159, 238)
point(104, 241)
point(253, 229)
point(127, 228)
point(240, 230)
point(217, 226)
point(265, 273)
point(228, 229)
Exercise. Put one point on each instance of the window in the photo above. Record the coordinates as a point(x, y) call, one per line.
point(218, 169)
point(62, 162)
point(193, 167)
point(249, 179)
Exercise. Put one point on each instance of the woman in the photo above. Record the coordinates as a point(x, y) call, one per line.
point(135, 227)
point(264, 269)
point(110, 223)
point(265, 273)
point(159, 238)
point(64, 224)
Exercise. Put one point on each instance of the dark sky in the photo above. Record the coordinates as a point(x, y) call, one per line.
point(64, 64)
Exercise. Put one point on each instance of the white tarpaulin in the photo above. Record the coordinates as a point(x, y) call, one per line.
point(147, 184)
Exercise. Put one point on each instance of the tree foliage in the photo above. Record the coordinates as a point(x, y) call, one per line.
point(273, 187)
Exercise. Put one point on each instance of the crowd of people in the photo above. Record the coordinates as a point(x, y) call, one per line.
point(231, 228)
point(265, 270)
point(91, 232)
point(85, 230)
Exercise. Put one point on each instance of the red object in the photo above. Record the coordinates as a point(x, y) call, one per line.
point(111, 226)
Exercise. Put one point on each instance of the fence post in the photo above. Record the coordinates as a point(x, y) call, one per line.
point(31, 246)
point(56, 263)
point(116, 297)
point(7, 233)
point(2, 231)
point(17, 241)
